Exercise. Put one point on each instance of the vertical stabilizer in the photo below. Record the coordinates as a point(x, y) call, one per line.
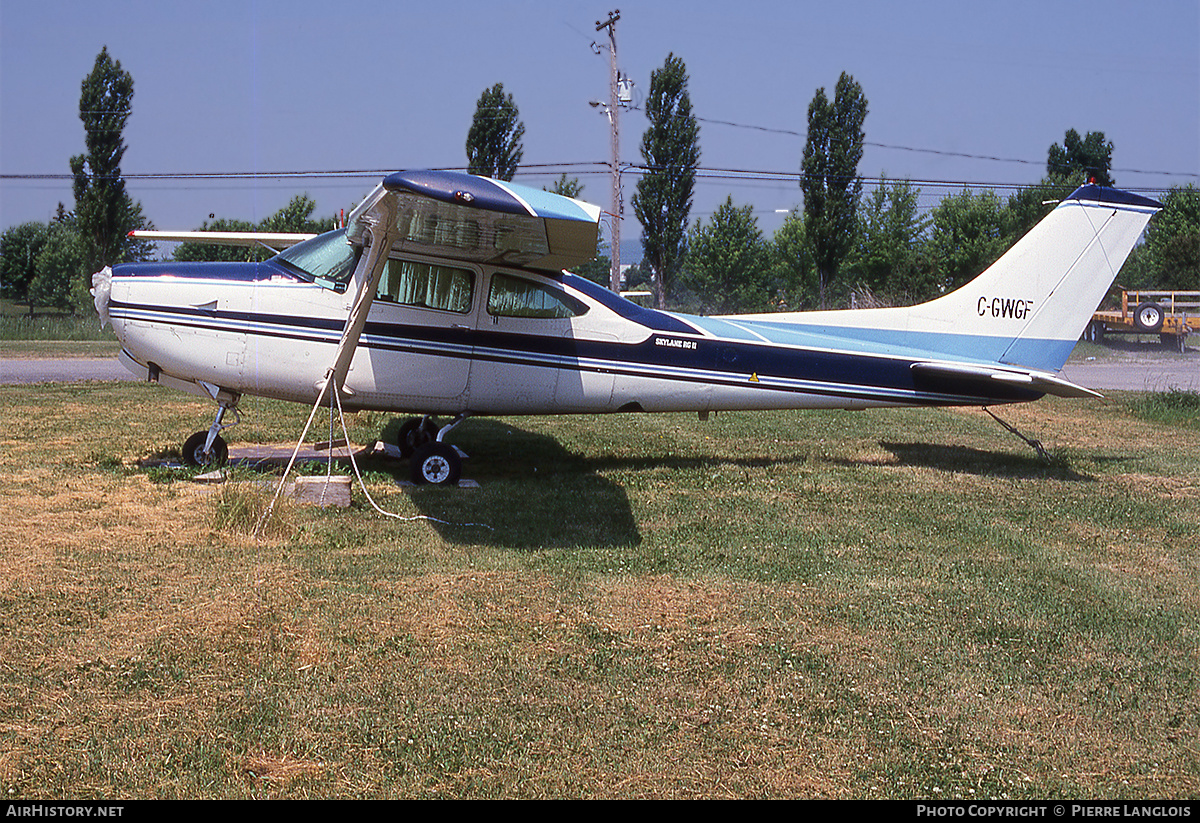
point(1043, 291)
point(1027, 309)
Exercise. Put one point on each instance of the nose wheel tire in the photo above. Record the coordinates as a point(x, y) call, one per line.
point(436, 464)
point(194, 454)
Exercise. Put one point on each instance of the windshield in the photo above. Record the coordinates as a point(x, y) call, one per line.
point(328, 258)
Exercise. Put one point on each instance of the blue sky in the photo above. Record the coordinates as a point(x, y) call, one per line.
point(266, 86)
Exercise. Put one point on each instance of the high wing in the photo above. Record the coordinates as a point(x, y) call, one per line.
point(480, 220)
point(465, 217)
point(272, 241)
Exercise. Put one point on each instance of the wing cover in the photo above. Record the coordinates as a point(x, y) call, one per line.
point(472, 218)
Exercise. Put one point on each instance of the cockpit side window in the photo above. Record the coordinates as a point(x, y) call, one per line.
point(426, 285)
point(518, 297)
point(328, 259)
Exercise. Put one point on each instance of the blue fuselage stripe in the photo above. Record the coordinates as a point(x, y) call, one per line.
point(751, 365)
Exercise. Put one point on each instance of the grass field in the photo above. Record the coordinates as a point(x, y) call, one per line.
point(838, 604)
point(16, 324)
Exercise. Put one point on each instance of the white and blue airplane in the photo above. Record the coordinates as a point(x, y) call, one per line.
point(445, 295)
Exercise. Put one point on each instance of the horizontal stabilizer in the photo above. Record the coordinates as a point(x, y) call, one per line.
point(1033, 380)
point(274, 241)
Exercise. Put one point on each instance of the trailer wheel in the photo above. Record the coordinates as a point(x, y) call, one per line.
point(1094, 333)
point(1148, 317)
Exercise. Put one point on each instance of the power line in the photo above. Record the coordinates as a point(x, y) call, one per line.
point(936, 152)
point(581, 169)
point(311, 174)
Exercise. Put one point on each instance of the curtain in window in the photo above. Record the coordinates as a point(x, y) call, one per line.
point(422, 284)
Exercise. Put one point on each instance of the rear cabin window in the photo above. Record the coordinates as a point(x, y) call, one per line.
point(517, 297)
point(427, 286)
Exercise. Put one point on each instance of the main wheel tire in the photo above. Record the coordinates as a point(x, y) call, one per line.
point(194, 454)
point(436, 464)
point(414, 433)
point(1148, 317)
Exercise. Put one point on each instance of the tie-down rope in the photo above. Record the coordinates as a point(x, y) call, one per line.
point(266, 516)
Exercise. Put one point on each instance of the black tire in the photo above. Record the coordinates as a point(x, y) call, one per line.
point(1148, 317)
point(414, 433)
point(194, 455)
point(1094, 333)
point(436, 464)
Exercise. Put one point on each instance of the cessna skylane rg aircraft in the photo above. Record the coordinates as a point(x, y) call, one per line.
point(446, 295)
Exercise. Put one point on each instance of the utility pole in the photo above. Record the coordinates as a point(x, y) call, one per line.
point(613, 115)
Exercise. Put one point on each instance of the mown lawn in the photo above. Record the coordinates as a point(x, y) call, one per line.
point(899, 603)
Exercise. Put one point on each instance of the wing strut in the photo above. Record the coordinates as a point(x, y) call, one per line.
point(381, 222)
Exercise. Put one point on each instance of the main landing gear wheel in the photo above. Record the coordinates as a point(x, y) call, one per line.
point(1148, 317)
point(416, 432)
point(194, 454)
point(436, 464)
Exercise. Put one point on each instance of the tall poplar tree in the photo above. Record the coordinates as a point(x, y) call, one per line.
point(104, 212)
point(829, 175)
point(494, 147)
point(671, 152)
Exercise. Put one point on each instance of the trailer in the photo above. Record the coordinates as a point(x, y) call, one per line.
point(1172, 315)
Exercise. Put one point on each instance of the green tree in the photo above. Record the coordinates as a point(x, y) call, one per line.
point(296, 217)
point(104, 212)
point(671, 153)
point(638, 276)
point(728, 266)
point(887, 257)
point(212, 253)
point(494, 146)
point(1179, 262)
point(19, 250)
point(829, 175)
point(793, 271)
point(1170, 257)
point(598, 269)
point(1026, 207)
point(567, 186)
point(1079, 160)
point(64, 255)
point(966, 236)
